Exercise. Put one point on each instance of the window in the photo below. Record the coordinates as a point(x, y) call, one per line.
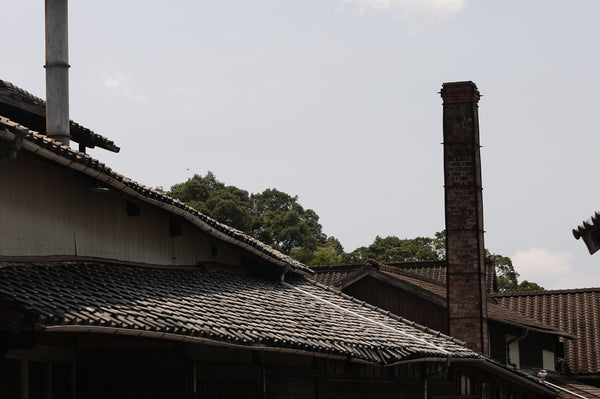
point(548, 360)
point(36, 378)
point(465, 385)
point(512, 351)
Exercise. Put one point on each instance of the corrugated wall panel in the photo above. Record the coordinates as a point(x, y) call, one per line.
point(46, 209)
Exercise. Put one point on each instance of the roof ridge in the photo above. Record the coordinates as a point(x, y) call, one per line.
point(545, 292)
point(24, 94)
point(417, 263)
point(323, 268)
point(33, 109)
point(409, 273)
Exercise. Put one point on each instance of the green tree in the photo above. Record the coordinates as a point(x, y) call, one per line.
point(329, 253)
point(506, 275)
point(394, 249)
point(529, 286)
point(274, 217)
point(283, 223)
point(227, 204)
point(277, 219)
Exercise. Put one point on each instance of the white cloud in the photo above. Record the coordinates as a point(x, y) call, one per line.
point(120, 84)
point(551, 270)
point(434, 8)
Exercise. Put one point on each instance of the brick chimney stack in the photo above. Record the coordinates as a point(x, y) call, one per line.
point(465, 255)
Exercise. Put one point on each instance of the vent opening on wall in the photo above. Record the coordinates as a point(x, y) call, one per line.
point(132, 209)
point(214, 250)
point(174, 227)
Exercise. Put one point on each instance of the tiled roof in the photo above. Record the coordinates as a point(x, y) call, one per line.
point(29, 110)
point(574, 389)
point(417, 276)
point(433, 271)
point(331, 275)
point(218, 307)
point(45, 147)
point(576, 311)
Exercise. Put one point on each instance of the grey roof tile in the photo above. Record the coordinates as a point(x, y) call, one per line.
point(224, 307)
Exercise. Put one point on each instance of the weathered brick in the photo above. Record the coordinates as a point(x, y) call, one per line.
point(464, 215)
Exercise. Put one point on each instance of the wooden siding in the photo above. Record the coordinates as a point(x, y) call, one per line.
point(400, 302)
point(53, 210)
point(132, 367)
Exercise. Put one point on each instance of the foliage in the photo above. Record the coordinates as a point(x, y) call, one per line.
point(280, 221)
point(529, 286)
point(227, 204)
point(394, 249)
point(274, 217)
point(329, 253)
point(506, 275)
point(277, 219)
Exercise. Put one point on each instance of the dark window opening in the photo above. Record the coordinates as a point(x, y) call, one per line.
point(132, 209)
point(174, 227)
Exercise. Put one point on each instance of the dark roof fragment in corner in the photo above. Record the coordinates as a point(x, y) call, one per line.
point(589, 230)
point(30, 111)
point(50, 149)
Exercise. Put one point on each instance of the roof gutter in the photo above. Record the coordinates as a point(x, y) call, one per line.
point(540, 330)
point(485, 364)
point(192, 340)
point(498, 370)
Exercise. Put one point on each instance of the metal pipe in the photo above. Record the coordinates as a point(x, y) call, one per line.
point(57, 71)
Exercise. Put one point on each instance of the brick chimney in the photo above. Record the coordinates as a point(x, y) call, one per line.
point(465, 255)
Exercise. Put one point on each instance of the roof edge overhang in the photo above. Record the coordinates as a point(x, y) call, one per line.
point(530, 328)
point(183, 210)
point(490, 366)
point(88, 329)
point(510, 375)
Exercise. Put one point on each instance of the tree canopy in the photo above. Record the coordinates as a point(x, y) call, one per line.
point(274, 217)
point(278, 219)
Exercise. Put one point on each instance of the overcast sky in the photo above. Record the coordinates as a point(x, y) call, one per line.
point(337, 101)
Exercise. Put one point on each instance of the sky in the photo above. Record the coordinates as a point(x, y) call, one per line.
point(337, 102)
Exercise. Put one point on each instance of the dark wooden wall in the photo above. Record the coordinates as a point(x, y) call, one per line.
point(400, 302)
point(128, 367)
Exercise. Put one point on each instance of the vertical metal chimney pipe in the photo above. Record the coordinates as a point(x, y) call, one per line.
point(57, 71)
